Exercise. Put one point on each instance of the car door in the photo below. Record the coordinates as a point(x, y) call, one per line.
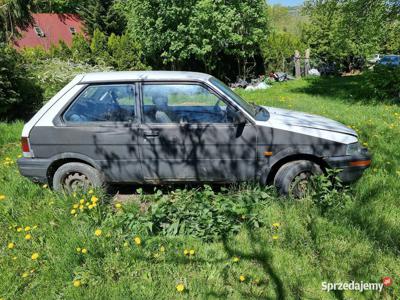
point(188, 134)
point(100, 124)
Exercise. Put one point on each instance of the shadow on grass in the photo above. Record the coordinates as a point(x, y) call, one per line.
point(352, 89)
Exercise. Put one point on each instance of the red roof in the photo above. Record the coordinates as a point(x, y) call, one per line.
point(55, 27)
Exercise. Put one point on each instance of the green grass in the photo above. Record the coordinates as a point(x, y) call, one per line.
point(360, 241)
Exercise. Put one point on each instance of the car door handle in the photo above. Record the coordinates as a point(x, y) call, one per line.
point(150, 134)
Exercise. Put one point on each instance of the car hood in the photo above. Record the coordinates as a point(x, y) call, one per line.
point(300, 119)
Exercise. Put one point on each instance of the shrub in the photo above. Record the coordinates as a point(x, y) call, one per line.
point(201, 213)
point(383, 82)
point(19, 95)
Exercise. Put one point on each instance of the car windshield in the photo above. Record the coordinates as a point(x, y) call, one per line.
point(389, 59)
point(249, 108)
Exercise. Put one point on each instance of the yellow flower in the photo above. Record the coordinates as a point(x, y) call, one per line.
point(81, 207)
point(14, 258)
point(28, 237)
point(75, 206)
point(137, 240)
point(98, 232)
point(242, 278)
point(276, 225)
point(78, 249)
point(180, 287)
point(11, 245)
point(94, 199)
point(118, 205)
point(90, 206)
point(2, 197)
point(27, 228)
point(82, 201)
point(19, 229)
point(73, 211)
point(35, 256)
point(191, 252)
point(162, 249)
point(94, 204)
point(84, 250)
point(186, 252)
point(25, 274)
point(45, 186)
point(236, 259)
point(90, 192)
point(275, 237)
point(76, 283)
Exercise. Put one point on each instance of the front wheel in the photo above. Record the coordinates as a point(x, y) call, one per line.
point(292, 179)
point(71, 177)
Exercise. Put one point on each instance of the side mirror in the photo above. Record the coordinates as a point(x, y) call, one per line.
point(239, 118)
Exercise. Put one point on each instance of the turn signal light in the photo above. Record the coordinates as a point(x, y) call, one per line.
point(360, 163)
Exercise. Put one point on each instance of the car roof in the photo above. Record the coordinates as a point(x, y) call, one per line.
point(143, 76)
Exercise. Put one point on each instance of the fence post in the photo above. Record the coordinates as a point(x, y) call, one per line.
point(307, 62)
point(297, 66)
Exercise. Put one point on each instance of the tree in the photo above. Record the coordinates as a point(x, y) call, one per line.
point(13, 14)
point(98, 47)
point(105, 15)
point(347, 30)
point(80, 49)
point(198, 34)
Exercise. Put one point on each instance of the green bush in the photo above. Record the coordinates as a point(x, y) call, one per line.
point(201, 213)
point(19, 95)
point(383, 82)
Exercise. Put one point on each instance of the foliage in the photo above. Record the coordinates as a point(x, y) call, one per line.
point(54, 74)
point(13, 14)
point(80, 49)
point(345, 31)
point(201, 212)
point(104, 15)
point(98, 47)
point(176, 32)
point(57, 6)
point(19, 96)
point(382, 82)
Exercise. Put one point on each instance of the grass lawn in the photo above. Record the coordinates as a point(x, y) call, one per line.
point(359, 241)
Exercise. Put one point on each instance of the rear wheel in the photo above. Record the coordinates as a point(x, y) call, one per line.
point(292, 179)
point(75, 176)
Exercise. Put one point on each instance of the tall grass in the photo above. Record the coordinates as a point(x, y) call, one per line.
point(289, 256)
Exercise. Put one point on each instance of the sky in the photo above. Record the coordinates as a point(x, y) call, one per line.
point(286, 2)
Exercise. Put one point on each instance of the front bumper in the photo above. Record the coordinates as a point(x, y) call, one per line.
point(34, 168)
point(352, 166)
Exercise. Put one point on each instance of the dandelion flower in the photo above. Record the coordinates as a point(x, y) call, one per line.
point(76, 283)
point(81, 207)
point(25, 274)
point(73, 211)
point(98, 232)
point(45, 186)
point(118, 205)
point(137, 240)
point(180, 287)
point(162, 249)
point(28, 237)
point(236, 259)
point(90, 206)
point(186, 252)
point(35, 256)
point(191, 252)
point(276, 225)
point(275, 237)
point(14, 258)
point(90, 192)
point(242, 278)
point(94, 199)
point(84, 250)
point(19, 229)
point(82, 201)
point(78, 249)
point(11, 245)
point(27, 228)
point(75, 206)
point(2, 197)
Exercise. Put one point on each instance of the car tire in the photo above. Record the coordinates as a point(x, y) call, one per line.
point(73, 176)
point(293, 177)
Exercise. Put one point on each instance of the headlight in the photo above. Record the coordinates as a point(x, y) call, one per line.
point(353, 149)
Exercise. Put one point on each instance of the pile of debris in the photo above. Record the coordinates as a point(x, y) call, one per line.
point(262, 82)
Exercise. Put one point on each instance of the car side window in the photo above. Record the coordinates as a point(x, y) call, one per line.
point(103, 103)
point(182, 103)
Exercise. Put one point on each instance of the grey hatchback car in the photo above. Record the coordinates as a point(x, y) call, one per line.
point(163, 127)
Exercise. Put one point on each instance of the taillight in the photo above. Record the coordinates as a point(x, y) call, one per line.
point(26, 148)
